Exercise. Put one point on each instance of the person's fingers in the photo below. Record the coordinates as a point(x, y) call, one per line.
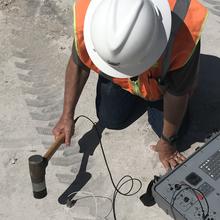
point(57, 132)
point(173, 163)
point(166, 165)
point(67, 136)
point(178, 159)
point(181, 156)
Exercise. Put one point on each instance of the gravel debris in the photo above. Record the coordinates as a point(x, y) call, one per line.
point(5, 3)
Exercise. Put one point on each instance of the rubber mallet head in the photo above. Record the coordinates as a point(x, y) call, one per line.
point(37, 167)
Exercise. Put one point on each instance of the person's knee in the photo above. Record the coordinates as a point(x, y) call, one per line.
point(111, 124)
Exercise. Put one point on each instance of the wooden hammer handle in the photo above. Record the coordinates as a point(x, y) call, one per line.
point(53, 148)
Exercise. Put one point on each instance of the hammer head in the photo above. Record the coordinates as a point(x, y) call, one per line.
point(37, 167)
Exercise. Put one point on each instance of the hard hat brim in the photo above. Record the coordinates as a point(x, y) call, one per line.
point(165, 11)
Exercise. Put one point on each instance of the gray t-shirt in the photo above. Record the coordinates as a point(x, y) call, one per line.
point(177, 82)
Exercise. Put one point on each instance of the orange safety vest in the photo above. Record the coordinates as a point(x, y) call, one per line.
point(147, 86)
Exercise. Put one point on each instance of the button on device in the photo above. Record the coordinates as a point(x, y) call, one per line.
point(186, 199)
point(177, 186)
point(200, 197)
point(193, 179)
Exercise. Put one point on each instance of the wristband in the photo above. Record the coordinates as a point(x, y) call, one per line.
point(170, 140)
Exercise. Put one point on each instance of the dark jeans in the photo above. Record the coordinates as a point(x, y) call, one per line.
point(117, 108)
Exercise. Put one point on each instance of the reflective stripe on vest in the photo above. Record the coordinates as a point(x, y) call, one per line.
point(183, 45)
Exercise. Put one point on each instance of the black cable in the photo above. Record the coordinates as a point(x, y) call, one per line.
point(131, 179)
point(207, 204)
point(201, 193)
point(173, 198)
point(120, 183)
point(72, 202)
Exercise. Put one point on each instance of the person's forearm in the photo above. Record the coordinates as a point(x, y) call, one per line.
point(174, 111)
point(75, 80)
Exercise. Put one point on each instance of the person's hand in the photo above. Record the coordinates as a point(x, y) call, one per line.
point(168, 155)
point(65, 126)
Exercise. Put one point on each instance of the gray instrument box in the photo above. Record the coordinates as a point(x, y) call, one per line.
point(201, 171)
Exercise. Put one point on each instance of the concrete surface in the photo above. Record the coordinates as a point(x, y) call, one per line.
point(35, 42)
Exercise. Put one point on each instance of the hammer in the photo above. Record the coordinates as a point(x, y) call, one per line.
point(37, 168)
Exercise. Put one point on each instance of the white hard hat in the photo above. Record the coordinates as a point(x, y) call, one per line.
point(124, 38)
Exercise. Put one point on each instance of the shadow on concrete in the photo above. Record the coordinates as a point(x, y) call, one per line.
point(88, 144)
point(204, 107)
